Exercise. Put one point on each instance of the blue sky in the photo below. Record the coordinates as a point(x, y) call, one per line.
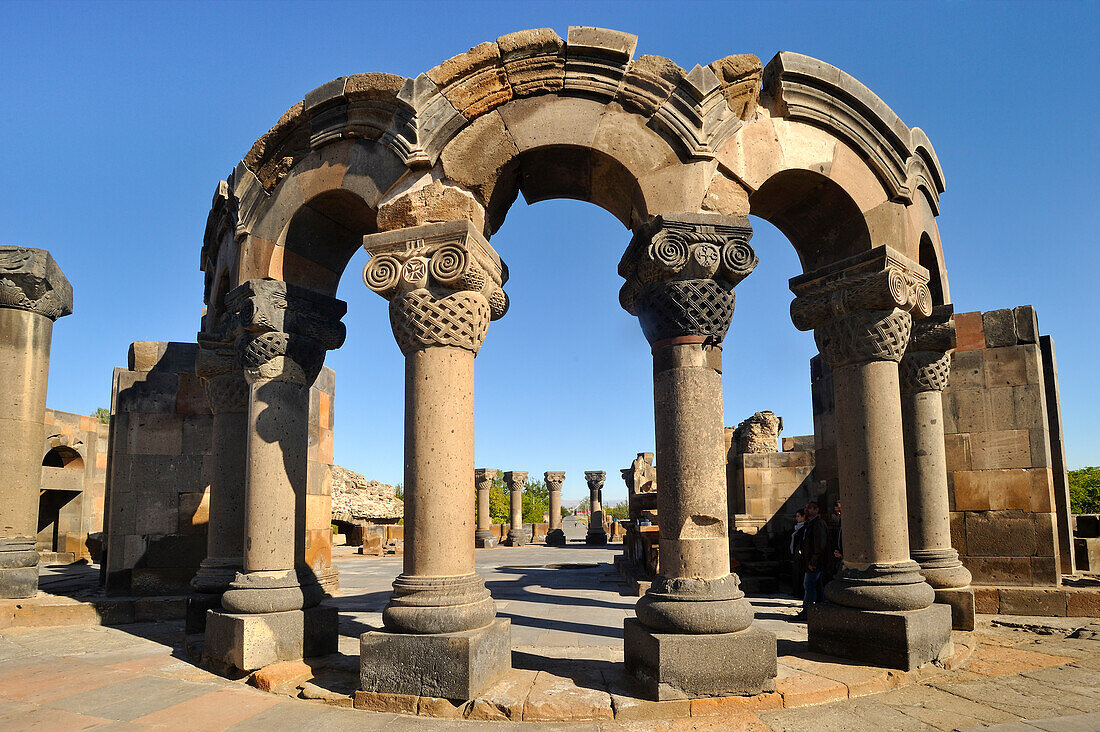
point(120, 118)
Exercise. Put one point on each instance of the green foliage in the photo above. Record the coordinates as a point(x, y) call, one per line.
point(103, 415)
point(536, 502)
point(619, 511)
point(565, 512)
point(399, 491)
point(499, 508)
point(1084, 490)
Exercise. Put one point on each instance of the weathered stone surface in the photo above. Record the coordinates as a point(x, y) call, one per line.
point(474, 82)
point(534, 61)
point(1027, 324)
point(759, 433)
point(667, 664)
point(281, 677)
point(739, 76)
point(556, 698)
point(1032, 601)
point(456, 666)
point(806, 689)
point(595, 60)
point(482, 158)
point(354, 498)
point(373, 701)
point(904, 640)
point(250, 642)
point(435, 202)
point(726, 197)
point(962, 604)
point(999, 327)
point(503, 700)
point(648, 83)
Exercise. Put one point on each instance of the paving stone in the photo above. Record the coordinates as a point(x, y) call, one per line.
point(554, 698)
point(995, 661)
point(806, 689)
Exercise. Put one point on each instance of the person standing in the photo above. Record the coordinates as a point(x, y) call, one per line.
point(815, 544)
point(796, 553)
point(835, 560)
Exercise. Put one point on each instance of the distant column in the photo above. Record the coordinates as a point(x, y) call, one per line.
point(596, 535)
point(33, 294)
point(555, 536)
point(483, 481)
point(516, 480)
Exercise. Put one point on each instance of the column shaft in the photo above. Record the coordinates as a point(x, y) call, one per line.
point(555, 510)
point(516, 480)
point(926, 470)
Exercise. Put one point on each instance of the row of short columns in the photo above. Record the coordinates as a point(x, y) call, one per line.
point(515, 481)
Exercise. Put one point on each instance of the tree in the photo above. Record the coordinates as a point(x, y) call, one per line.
point(536, 502)
point(500, 511)
point(399, 491)
point(1084, 490)
point(619, 511)
point(103, 415)
point(565, 512)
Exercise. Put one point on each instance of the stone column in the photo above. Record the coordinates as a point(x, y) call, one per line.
point(680, 272)
point(282, 334)
point(33, 294)
point(483, 481)
point(555, 536)
point(227, 392)
point(516, 480)
point(444, 284)
point(859, 310)
point(596, 535)
point(925, 369)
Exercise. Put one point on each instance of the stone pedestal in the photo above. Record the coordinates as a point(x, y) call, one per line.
point(555, 536)
point(444, 285)
point(596, 534)
point(693, 635)
point(33, 294)
point(924, 373)
point(250, 641)
point(281, 336)
point(860, 310)
point(904, 640)
point(671, 666)
point(456, 666)
point(516, 480)
point(483, 482)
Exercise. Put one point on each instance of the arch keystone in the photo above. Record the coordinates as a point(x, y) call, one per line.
point(596, 60)
point(739, 76)
point(474, 82)
point(534, 61)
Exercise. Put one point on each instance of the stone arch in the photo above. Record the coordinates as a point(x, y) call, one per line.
point(63, 456)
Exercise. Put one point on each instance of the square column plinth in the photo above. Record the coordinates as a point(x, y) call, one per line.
point(18, 582)
point(456, 666)
point(249, 642)
point(683, 666)
point(961, 601)
point(903, 640)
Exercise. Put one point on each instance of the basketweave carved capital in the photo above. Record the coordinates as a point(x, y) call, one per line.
point(864, 336)
point(282, 331)
point(444, 283)
point(227, 393)
point(595, 479)
point(31, 280)
point(484, 477)
point(516, 480)
point(926, 365)
point(554, 479)
point(680, 272)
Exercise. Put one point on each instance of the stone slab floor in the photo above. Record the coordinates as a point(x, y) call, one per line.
point(567, 610)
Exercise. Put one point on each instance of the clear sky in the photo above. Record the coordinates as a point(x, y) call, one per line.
point(120, 118)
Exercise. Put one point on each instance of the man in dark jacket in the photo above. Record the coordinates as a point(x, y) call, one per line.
point(815, 545)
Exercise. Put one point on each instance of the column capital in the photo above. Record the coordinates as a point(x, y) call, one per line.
point(444, 283)
point(484, 477)
point(554, 479)
point(595, 479)
point(31, 280)
point(680, 271)
point(926, 365)
point(516, 480)
point(282, 331)
point(222, 377)
point(861, 308)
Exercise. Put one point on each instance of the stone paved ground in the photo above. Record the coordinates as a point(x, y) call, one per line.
point(565, 619)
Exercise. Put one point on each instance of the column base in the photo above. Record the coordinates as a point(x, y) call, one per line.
point(215, 575)
point(683, 666)
point(596, 538)
point(249, 642)
point(484, 539)
point(517, 538)
point(942, 569)
point(961, 600)
point(270, 591)
point(881, 587)
point(436, 605)
point(556, 537)
point(456, 666)
point(715, 606)
point(904, 640)
point(18, 568)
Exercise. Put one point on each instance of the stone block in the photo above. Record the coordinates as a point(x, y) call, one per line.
point(1033, 601)
point(1009, 489)
point(155, 434)
point(372, 544)
point(194, 512)
point(1000, 449)
point(1000, 534)
point(962, 603)
point(250, 642)
point(969, 410)
point(667, 664)
point(146, 582)
point(1046, 571)
point(967, 370)
point(998, 570)
point(1010, 367)
point(1027, 324)
point(999, 327)
point(958, 531)
point(1046, 534)
point(1083, 603)
point(971, 489)
point(455, 666)
point(1086, 526)
point(969, 333)
point(903, 640)
point(174, 550)
point(958, 451)
point(557, 698)
point(1041, 454)
point(987, 600)
point(390, 703)
point(18, 582)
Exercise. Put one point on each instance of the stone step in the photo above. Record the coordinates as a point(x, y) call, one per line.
point(45, 610)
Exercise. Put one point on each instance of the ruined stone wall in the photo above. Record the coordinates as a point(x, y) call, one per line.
point(159, 470)
point(80, 515)
point(1006, 500)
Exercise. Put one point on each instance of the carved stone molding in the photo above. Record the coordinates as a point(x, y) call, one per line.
point(444, 283)
point(861, 309)
point(680, 272)
point(282, 331)
point(554, 479)
point(926, 365)
point(30, 280)
point(516, 480)
point(484, 477)
point(595, 479)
